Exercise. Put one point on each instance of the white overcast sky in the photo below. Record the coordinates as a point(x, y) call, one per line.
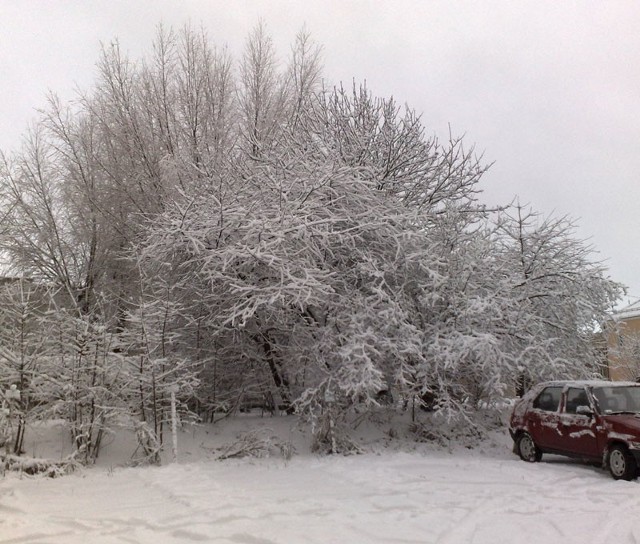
point(548, 90)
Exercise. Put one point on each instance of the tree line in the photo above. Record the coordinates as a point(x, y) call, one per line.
point(237, 229)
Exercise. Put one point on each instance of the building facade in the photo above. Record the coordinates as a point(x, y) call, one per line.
point(623, 344)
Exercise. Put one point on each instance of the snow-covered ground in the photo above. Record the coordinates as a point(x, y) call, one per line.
point(427, 495)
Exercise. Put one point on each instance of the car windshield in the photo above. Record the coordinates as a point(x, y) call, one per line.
point(615, 400)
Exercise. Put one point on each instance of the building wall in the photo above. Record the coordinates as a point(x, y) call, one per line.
point(623, 343)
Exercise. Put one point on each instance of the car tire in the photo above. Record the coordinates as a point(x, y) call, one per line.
point(622, 465)
point(527, 449)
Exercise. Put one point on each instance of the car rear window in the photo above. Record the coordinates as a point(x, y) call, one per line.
point(548, 399)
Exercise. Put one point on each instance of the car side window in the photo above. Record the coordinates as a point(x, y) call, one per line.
point(575, 397)
point(548, 399)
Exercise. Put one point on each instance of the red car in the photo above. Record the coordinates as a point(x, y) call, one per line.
point(591, 420)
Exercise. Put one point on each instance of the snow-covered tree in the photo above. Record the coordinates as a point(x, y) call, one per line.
point(563, 293)
point(23, 348)
point(624, 355)
point(156, 360)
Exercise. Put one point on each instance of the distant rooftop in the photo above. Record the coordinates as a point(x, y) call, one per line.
point(629, 312)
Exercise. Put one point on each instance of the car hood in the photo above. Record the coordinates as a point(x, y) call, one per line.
point(623, 423)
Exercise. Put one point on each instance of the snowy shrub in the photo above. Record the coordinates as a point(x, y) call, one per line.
point(35, 467)
point(148, 444)
point(469, 431)
point(256, 443)
point(331, 436)
point(6, 431)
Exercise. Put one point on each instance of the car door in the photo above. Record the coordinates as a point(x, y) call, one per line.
point(544, 417)
point(577, 431)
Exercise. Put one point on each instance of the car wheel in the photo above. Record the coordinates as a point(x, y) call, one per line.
point(622, 464)
point(527, 449)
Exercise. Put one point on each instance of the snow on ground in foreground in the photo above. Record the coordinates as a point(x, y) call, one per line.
point(389, 497)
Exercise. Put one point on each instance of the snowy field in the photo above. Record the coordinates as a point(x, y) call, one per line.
point(386, 496)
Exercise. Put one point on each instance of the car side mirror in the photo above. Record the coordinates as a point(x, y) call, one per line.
point(584, 411)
